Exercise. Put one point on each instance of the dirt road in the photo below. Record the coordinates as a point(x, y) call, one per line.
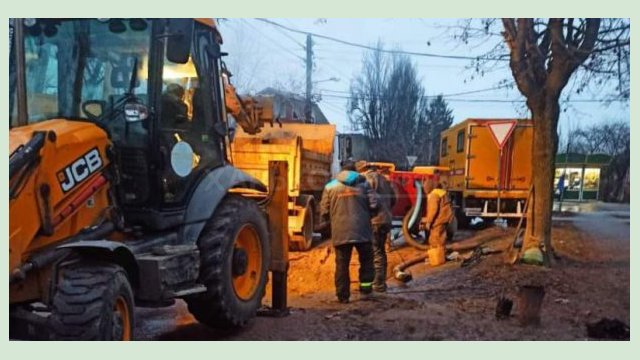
point(589, 282)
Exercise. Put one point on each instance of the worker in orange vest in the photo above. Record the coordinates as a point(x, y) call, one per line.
point(439, 216)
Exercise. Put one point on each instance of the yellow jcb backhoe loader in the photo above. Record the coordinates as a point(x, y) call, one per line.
point(120, 193)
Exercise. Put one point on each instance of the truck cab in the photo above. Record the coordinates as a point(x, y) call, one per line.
point(129, 77)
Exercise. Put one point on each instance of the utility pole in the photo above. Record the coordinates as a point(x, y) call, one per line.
point(308, 106)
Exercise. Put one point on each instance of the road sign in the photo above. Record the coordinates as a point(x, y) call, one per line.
point(501, 131)
point(411, 159)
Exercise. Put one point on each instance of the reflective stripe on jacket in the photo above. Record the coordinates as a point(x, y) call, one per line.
point(347, 204)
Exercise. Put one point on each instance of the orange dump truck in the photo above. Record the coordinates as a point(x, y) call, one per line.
point(484, 180)
point(308, 149)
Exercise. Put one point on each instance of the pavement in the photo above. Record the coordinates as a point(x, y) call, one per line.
point(590, 217)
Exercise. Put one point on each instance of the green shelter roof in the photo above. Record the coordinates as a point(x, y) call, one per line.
point(577, 158)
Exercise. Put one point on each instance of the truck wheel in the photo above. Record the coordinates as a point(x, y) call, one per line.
point(93, 301)
point(307, 232)
point(234, 256)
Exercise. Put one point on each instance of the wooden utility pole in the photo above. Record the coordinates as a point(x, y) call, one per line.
point(278, 225)
point(308, 106)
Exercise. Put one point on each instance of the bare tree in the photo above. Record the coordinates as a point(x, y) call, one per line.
point(438, 118)
point(388, 103)
point(544, 55)
point(247, 59)
point(402, 107)
point(366, 101)
point(589, 140)
point(617, 143)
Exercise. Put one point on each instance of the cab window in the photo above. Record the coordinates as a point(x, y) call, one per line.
point(460, 142)
point(443, 148)
point(187, 143)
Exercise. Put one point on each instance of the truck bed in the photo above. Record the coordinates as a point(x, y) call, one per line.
point(307, 148)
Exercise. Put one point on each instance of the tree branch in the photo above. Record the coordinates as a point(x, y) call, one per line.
point(515, 37)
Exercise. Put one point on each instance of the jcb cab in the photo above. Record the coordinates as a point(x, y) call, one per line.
point(120, 189)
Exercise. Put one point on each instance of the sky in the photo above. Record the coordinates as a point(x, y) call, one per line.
point(262, 55)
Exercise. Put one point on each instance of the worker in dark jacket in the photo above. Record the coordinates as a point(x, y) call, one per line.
point(347, 205)
point(381, 223)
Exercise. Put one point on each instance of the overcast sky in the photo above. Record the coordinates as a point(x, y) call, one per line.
point(262, 55)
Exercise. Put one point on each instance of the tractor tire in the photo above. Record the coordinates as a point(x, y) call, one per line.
point(234, 257)
point(92, 301)
point(307, 233)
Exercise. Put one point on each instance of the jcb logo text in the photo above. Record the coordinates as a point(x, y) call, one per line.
point(79, 170)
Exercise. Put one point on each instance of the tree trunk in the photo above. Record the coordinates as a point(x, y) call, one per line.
point(538, 232)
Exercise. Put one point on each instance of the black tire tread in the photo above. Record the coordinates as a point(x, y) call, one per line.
point(214, 308)
point(79, 300)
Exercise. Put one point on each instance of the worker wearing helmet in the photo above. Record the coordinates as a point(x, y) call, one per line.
point(347, 205)
point(381, 223)
point(439, 216)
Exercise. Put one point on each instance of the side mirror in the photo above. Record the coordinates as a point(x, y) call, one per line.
point(93, 108)
point(179, 36)
point(231, 127)
point(134, 112)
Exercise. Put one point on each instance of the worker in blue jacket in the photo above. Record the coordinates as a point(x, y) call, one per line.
point(347, 206)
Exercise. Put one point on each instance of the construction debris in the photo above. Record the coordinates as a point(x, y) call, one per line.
point(529, 304)
point(503, 308)
point(608, 329)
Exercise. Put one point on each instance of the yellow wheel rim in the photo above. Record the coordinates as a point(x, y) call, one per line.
point(121, 320)
point(246, 262)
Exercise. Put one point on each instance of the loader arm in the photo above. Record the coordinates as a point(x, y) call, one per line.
point(247, 111)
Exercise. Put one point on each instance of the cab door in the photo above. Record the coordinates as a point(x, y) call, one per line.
point(521, 143)
point(483, 159)
point(190, 127)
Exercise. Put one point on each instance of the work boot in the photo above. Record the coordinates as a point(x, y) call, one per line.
point(343, 300)
point(366, 288)
point(365, 291)
point(365, 296)
point(380, 288)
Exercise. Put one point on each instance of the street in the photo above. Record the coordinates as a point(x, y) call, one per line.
point(588, 282)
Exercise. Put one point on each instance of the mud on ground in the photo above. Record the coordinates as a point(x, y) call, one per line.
point(589, 281)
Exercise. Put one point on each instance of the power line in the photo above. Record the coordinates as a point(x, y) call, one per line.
point(412, 53)
point(281, 31)
point(443, 95)
point(334, 107)
point(479, 90)
point(274, 42)
point(491, 100)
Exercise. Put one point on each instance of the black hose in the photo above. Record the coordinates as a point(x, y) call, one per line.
point(399, 270)
point(411, 221)
point(26, 154)
point(48, 256)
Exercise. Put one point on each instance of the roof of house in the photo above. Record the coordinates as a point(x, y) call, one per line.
point(290, 107)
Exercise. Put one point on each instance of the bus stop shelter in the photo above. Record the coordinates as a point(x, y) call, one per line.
point(577, 176)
